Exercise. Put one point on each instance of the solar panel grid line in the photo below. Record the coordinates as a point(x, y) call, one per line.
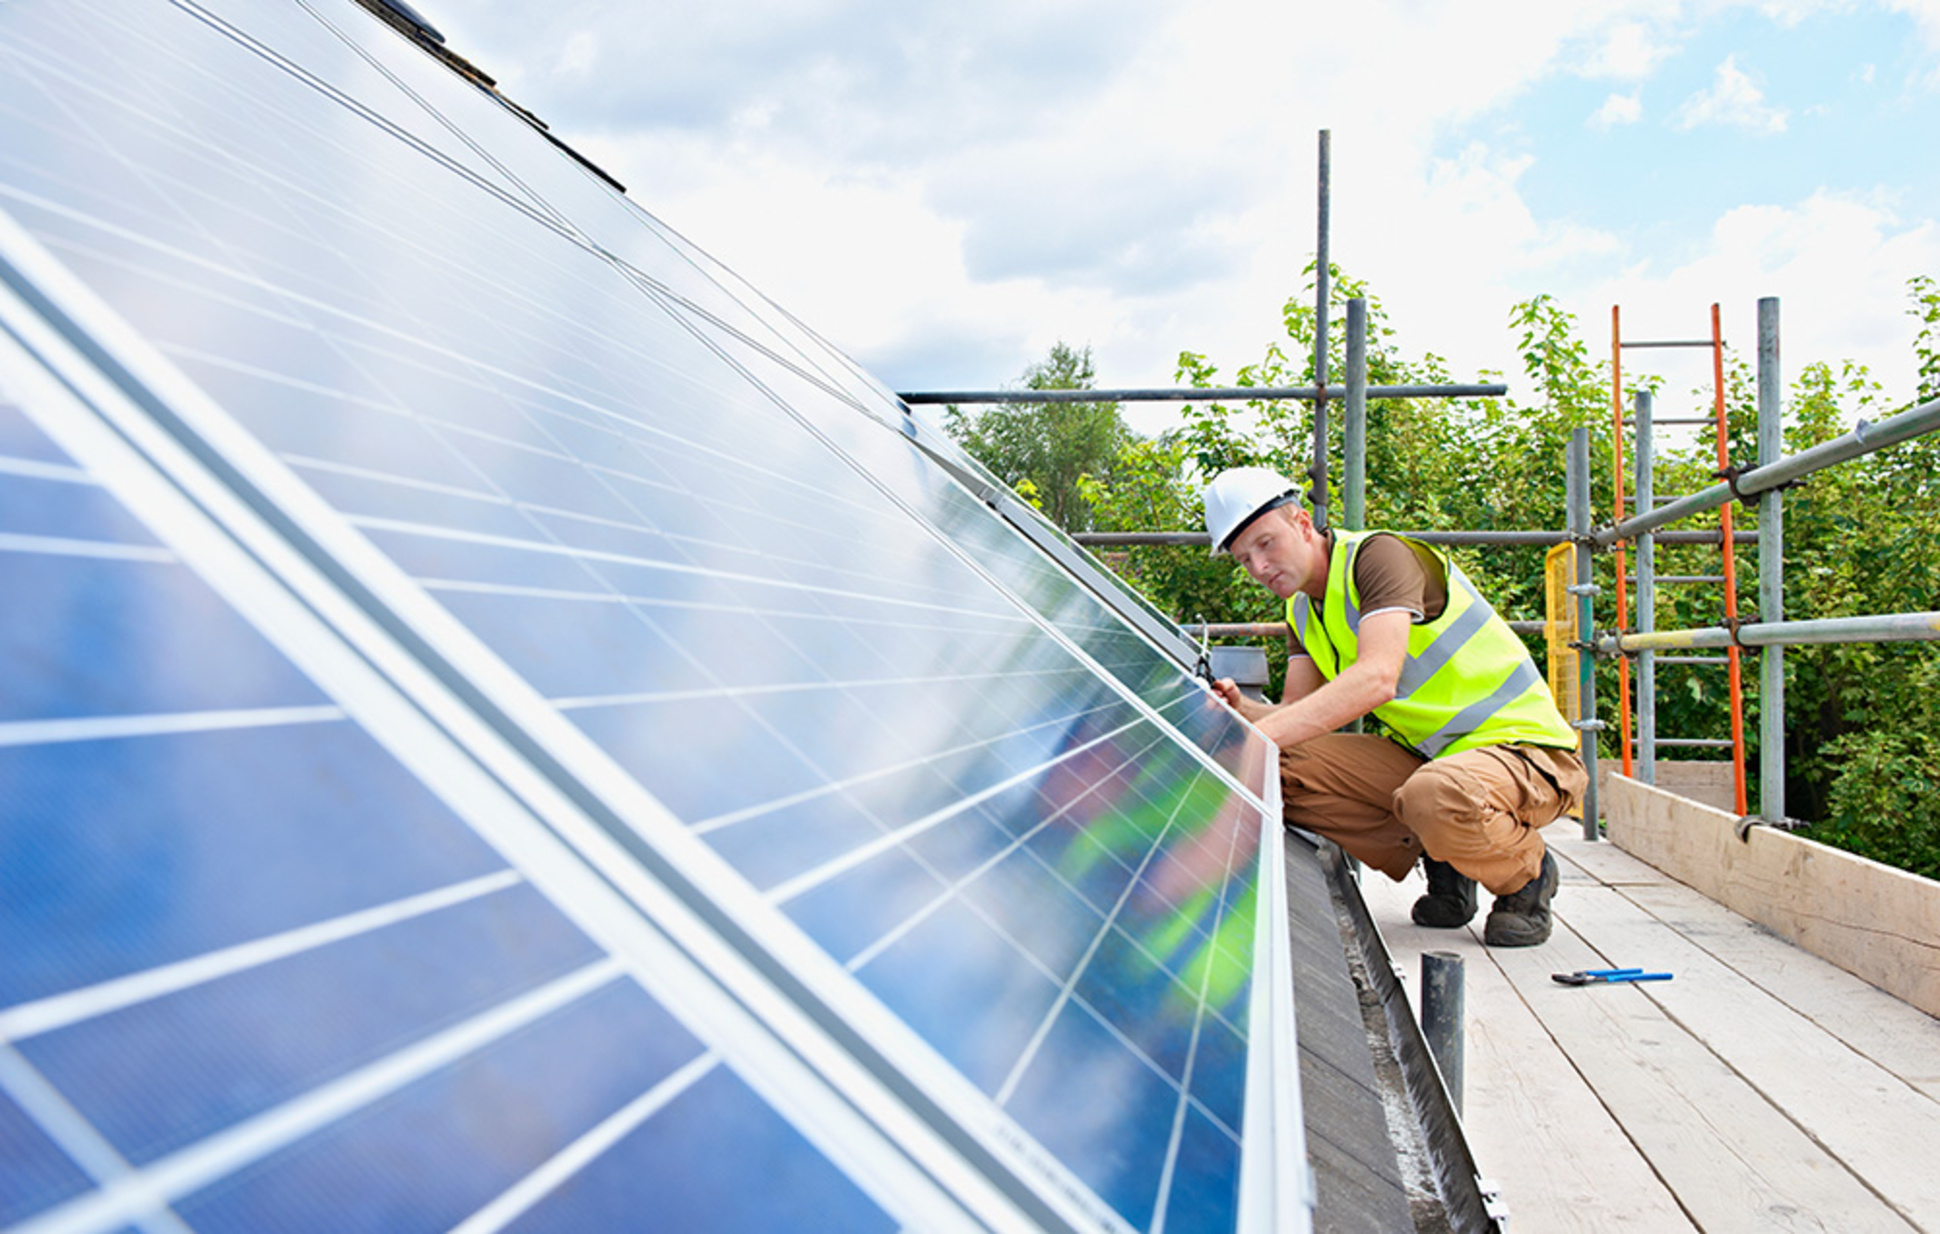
point(621, 597)
point(190, 1169)
point(100, 728)
point(513, 1203)
point(588, 838)
point(718, 821)
point(99, 445)
point(37, 470)
point(58, 546)
point(24, 1020)
point(583, 702)
point(808, 880)
point(65, 1125)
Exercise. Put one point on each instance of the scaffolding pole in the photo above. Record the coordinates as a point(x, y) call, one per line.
point(1771, 572)
point(1317, 470)
point(1865, 438)
point(1354, 476)
point(1882, 628)
point(1586, 725)
point(1646, 595)
point(1193, 394)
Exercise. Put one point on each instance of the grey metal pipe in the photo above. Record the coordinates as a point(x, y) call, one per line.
point(1577, 478)
point(1646, 617)
point(1443, 1012)
point(1771, 571)
point(1193, 394)
point(1866, 438)
point(1237, 629)
point(1354, 471)
point(1886, 628)
point(1317, 469)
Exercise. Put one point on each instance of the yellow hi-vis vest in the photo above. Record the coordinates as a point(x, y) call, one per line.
point(1468, 680)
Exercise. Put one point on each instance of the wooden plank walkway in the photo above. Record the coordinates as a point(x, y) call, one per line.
point(1761, 1089)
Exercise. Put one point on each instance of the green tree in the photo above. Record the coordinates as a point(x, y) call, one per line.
point(1050, 453)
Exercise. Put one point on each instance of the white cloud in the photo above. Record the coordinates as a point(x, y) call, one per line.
point(1838, 264)
point(1628, 51)
point(945, 192)
point(1733, 99)
point(1618, 109)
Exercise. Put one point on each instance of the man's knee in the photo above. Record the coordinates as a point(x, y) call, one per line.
point(1437, 797)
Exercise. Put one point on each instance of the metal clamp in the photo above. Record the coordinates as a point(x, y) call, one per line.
point(1732, 625)
point(1731, 473)
point(1744, 825)
point(1203, 669)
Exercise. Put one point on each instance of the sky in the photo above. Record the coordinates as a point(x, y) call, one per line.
point(944, 191)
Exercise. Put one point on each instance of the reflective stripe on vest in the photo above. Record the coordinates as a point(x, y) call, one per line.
point(1467, 682)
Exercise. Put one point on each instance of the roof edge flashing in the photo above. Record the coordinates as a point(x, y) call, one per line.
point(1422, 1116)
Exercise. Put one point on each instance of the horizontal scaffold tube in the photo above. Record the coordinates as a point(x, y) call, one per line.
point(1194, 394)
point(1864, 439)
point(1891, 628)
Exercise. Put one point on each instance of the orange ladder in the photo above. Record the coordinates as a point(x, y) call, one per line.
point(1730, 577)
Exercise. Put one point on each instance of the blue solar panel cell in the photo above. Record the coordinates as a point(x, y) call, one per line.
point(37, 1174)
point(1106, 1113)
point(65, 506)
point(142, 1075)
point(199, 841)
point(716, 1160)
point(1204, 1196)
point(434, 1152)
point(123, 662)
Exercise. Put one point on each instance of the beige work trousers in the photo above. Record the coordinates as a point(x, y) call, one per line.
point(1480, 811)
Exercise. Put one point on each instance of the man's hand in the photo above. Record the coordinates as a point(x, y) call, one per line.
point(1313, 708)
point(1229, 693)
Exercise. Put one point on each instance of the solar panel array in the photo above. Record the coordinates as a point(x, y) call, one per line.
point(501, 726)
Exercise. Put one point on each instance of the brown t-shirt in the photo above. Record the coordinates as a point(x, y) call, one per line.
point(1390, 572)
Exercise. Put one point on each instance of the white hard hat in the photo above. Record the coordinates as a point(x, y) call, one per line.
point(1239, 495)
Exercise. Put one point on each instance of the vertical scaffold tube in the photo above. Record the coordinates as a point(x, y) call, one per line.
point(1771, 572)
point(1578, 478)
point(1317, 472)
point(1646, 595)
point(1624, 720)
point(1354, 479)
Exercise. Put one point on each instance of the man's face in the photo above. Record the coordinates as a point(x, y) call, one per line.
point(1275, 551)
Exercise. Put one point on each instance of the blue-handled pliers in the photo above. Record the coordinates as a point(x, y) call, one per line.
point(1601, 976)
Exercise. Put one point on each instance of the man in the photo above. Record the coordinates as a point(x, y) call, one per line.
point(1477, 759)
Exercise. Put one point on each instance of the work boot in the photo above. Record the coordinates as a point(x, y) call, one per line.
point(1521, 918)
point(1450, 902)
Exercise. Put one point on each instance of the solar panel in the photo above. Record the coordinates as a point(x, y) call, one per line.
point(503, 725)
